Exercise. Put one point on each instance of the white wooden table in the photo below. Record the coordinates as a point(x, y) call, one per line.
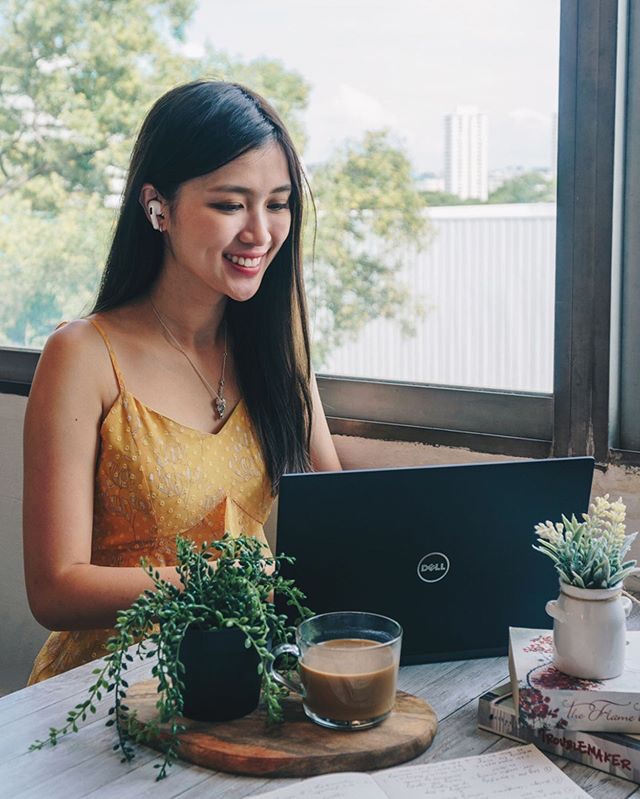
point(84, 765)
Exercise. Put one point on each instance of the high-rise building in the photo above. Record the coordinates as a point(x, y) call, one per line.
point(466, 153)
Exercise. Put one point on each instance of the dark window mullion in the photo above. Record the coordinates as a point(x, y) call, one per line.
point(586, 121)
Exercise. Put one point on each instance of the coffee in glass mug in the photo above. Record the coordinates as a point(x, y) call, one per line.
point(348, 667)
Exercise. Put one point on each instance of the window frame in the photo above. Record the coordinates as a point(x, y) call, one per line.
point(443, 415)
point(575, 420)
point(17, 367)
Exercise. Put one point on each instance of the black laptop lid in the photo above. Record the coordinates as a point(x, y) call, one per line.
point(445, 550)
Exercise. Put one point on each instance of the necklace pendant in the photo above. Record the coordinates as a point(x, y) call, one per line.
point(221, 406)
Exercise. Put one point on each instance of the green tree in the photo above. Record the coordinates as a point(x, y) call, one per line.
point(530, 187)
point(435, 198)
point(49, 264)
point(77, 78)
point(370, 218)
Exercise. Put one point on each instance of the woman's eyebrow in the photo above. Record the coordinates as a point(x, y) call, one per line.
point(244, 190)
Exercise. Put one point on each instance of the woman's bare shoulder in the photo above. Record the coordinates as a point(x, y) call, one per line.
point(77, 337)
point(75, 358)
point(83, 336)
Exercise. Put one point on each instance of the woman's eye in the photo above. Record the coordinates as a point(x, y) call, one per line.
point(227, 206)
point(238, 207)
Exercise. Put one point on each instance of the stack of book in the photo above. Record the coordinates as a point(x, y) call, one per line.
point(595, 722)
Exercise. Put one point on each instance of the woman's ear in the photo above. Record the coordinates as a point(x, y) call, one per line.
point(154, 206)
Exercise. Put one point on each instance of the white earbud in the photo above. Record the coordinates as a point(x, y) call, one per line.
point(155, 212)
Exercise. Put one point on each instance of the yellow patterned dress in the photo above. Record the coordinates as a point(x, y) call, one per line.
point(156, 478)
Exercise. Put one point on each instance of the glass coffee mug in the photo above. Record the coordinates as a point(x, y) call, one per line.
point(348, 668)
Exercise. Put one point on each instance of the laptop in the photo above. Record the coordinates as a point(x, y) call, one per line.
point(444, 550)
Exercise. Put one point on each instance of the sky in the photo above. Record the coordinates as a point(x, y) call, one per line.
point(404, 64)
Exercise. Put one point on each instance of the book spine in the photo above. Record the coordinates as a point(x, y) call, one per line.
point(501, 720)
point(608, 752)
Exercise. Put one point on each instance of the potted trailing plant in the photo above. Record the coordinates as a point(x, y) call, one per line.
point(589, 615)
point(211, 639)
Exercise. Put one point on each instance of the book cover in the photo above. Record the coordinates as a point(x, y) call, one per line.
point(615, 753)
point(549, 699)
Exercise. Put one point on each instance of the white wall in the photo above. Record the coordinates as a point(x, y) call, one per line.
point(487, 283)
point(21, 636)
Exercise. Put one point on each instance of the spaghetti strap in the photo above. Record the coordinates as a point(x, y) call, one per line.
point(112, 354)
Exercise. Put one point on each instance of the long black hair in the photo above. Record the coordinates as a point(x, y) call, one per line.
point(190, 131)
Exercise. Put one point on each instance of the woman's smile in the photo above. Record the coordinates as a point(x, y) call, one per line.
point(247, 263)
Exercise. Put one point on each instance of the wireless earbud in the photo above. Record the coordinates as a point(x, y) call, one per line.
point(155, 212)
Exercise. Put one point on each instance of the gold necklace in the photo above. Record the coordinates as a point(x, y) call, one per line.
point(218, 396)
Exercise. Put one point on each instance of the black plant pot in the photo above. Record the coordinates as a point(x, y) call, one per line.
point(221, 680)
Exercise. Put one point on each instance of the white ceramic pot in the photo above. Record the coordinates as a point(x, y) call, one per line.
point(589, 631)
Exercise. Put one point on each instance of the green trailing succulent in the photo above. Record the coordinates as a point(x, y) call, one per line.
point(237, 593)
point(590, 553)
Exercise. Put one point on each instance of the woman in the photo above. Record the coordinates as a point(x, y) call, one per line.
point(178, 403)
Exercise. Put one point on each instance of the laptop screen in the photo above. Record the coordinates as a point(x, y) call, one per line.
point(444, 550)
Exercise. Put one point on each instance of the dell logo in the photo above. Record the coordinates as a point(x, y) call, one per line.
point(433, 567)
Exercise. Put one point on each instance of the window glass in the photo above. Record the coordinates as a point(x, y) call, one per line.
point(427, 128)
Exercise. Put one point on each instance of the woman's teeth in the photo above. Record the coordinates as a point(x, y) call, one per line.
point(243, 261)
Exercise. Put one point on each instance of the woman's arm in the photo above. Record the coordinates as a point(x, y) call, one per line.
point(61, 440)
point(324, 457)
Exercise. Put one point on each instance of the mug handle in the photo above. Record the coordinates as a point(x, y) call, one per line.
point(284, 649)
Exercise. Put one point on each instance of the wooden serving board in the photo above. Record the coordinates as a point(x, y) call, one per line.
point(297, 748)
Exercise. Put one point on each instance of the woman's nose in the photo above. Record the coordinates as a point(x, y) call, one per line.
point(256, 230)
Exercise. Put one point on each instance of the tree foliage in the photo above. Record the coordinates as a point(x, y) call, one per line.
point(530, 187)
point(49, 264)
point(76, 80)
point(370, 217)
point(436, 198)
point(77, 75)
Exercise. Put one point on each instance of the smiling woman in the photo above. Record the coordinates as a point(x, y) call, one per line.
point(128, 440)
point(228, 233)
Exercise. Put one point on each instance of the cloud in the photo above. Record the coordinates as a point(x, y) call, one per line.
point(356, 106)
point(342, 113)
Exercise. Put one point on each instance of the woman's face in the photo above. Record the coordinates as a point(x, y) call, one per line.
point(226, 227)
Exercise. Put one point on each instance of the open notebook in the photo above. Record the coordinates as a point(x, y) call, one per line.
point(522, 771)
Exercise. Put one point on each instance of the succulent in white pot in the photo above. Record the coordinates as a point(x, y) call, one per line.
point(590, 614)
